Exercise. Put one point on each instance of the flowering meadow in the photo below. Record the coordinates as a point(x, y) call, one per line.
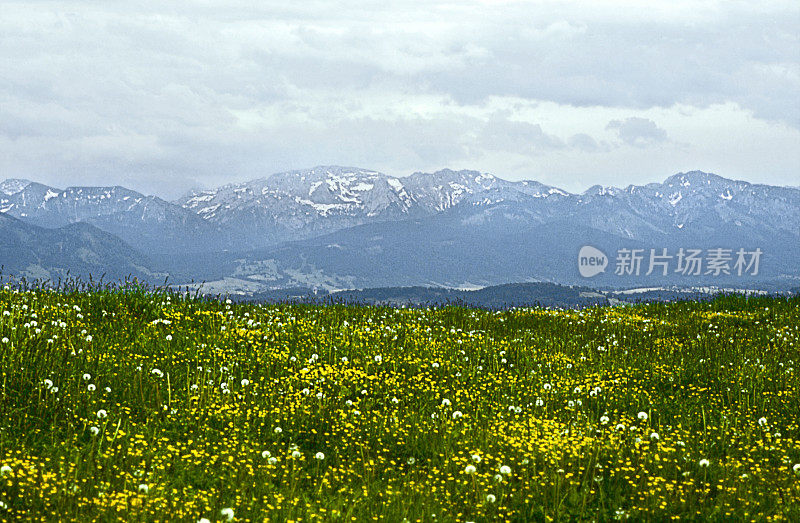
point(150, 405)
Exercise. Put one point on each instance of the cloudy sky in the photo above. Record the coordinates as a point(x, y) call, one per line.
point(166, 96)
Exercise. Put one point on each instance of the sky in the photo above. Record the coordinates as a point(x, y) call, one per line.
point(164, 97)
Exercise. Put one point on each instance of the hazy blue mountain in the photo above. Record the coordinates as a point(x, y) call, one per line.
point(502, 234)
point(339, 227)
point(77, 250)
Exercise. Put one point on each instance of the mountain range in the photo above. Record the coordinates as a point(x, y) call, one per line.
point(345, 228)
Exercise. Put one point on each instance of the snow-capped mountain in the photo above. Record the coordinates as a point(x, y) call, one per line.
point(146, 222)
point(303, 204)
point(348, 227)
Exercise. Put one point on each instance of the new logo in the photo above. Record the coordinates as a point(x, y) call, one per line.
point(591, 261)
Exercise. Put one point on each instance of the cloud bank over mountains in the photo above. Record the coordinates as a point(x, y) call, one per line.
point(163, 98)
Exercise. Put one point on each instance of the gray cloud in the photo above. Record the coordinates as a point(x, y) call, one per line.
point(161, 97)
point(638, 132)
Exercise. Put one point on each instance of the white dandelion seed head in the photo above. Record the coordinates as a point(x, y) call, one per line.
point(704, 462)
point(227, 513)
point(642, 416)
point(144, 488)
point(319, 455)
point(476, 458)
point(505, 469)
point(470, 469)
point(102, 414)
point(491, 498)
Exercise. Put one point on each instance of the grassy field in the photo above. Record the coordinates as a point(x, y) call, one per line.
point(148, 406)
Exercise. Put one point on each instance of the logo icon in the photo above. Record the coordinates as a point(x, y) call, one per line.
point(591, 261)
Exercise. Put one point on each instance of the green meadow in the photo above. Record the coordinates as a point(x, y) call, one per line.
point(147, 405)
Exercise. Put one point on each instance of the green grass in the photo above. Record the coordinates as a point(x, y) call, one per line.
point(211, 405)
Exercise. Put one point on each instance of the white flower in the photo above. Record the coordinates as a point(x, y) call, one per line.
point(498, 478)
point(169, 337)
point(272, 460)
point(378, 358)
point(395, 401)
point(445, 402)
point(94, 430)
point(5, 340)
point(620, 427)
point(491, 498)
point(203, 520)
point(296, 454)
point(265, 454)
point(87, 377)
point(245, 382)
point(5, 470)
point(704, 462)
point(411, 460)
point(144, 488)
point(108, 389)
point(102, 414)
point(319, 455)
point(91, 387)
point(227, 513)
point(505, 469)
point(89, 337)
point(47, 383)
point(157, 372)
point(604, 420)
point(796, 468)
point(547, 386)
point(476, 458)
point(457, 414)
point(470, 469)
point(642, 416)
point(277, 430)
point(654, 436)
point(762, 422)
